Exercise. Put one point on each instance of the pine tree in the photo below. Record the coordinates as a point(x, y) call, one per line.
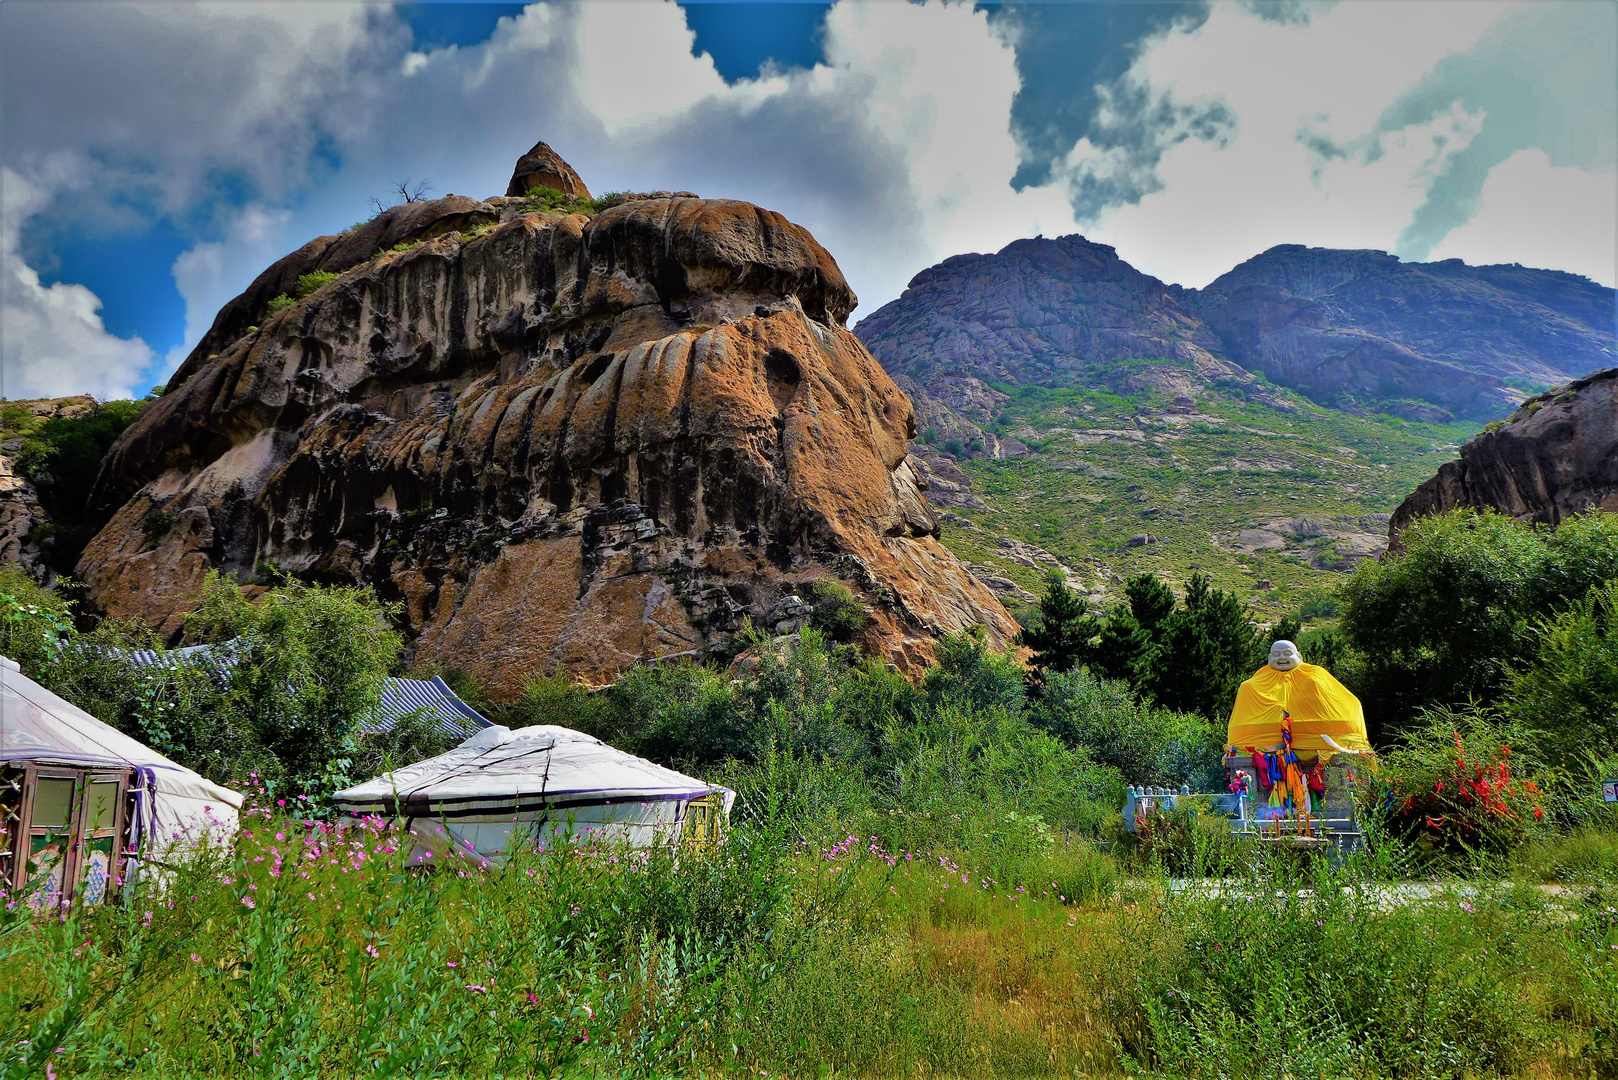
point(1061, 633)
point(1206, 647)
point(1124, 650)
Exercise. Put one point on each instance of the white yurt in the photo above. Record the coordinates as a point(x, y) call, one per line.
point(542, 785)
point(81, 800)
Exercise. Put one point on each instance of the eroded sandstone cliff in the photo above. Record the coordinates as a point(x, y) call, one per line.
point(564, 442)
point(1556, 456)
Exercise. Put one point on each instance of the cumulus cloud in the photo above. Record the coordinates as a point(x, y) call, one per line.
point(1533, 212)
point(1351, 128)
point(259, 126)
point(52, 341)
point(886, 152)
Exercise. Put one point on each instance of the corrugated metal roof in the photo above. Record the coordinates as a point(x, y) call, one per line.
point(400, 697)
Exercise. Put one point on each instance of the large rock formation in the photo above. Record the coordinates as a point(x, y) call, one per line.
point(1355, 330)
point(543, 167)
point(564, 443)
point(1555, 456)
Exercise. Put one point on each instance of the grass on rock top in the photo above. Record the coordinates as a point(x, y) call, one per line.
point(1104, 468)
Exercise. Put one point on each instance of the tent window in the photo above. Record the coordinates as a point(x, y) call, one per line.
point(53, 803)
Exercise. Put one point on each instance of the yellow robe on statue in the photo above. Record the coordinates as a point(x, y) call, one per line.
point(1321, 708)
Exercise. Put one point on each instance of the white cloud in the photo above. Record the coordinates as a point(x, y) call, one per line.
point(52, 341)
point(1312, 158)
point(1537, 214)
point(895, 153)
point(211, 274)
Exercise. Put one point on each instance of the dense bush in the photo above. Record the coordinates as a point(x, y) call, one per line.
point(61, 457)
point(1450, 616)
point(1568, 695)
point(1460, 783)
point(298, 672)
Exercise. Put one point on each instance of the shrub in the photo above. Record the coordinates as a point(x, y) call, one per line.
point(279, 302)
point(36, 624)
point(1567, 696)
point(837, 612)
point(1147, 745)
point(310, 283)
point(62, 457)
point(1449, 617)
point(550, 200)
point(1454, 786)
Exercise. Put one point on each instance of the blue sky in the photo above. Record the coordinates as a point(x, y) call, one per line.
point(154, 158)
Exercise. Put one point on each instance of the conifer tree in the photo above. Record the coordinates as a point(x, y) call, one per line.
point(1061, 633)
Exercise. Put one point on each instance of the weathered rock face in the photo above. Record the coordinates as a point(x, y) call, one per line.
point(1555, 456)
point(1048, 312)
point(544, 167)
point(565, 444)
point(1356, 330)
point(25, 524)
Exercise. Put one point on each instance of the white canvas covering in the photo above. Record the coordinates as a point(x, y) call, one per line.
point(535, 784)
point(175, 807)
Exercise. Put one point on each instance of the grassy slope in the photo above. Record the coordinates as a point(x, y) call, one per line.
point(1231, 465)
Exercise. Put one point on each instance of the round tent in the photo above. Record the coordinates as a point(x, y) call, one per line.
point(536, 784)
point(76, 785)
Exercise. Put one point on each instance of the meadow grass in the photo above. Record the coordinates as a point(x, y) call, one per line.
point(310, 951)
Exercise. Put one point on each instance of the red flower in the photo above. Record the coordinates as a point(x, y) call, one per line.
point(1538, 813)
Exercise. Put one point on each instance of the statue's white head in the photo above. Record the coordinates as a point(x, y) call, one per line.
point(1284, 656)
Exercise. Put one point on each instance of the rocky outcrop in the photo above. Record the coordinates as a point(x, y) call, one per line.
point(562, 443)
point(26, 529)
point(1355, 330)
point(1556, 456)
point(1047, 312)
point(544, 167)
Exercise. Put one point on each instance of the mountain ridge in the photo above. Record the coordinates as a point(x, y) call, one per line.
point(1358, 330)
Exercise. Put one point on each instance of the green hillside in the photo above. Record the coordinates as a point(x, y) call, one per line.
point(1247, 492)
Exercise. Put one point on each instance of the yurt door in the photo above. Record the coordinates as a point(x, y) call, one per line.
point(71, 822)
point(51, 802)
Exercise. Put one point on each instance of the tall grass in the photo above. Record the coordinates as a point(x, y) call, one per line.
point(313, 951)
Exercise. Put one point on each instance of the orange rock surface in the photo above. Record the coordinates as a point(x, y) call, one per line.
point(562, 443)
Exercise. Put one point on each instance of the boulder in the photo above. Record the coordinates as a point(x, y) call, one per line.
point(562, 443)
point(1556, 456)
point(544, 167)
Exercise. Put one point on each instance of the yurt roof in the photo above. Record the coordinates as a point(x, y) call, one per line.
point(500, 769)
point(37, 726)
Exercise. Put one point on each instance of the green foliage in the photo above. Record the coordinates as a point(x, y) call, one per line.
point(61, 457)
point(35, 623)
point(1204, 649)
point(1446, 621)
point(1568, 696)
point(1318, 976)
point(550, 200)
point(1146, 744)
point(313, 281)
point(407, 245)
point(156, 524)
point(284, 700)
point(279, 302)
point(1461, 784)
point(836, 611)
point(1060, 634)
